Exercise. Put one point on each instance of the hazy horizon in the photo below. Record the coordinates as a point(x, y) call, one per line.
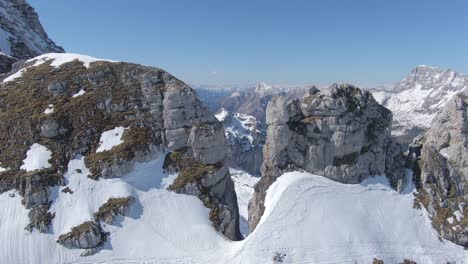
point(367, 43)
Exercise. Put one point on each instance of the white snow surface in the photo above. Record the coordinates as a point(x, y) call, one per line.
point(244, 186)
point(49, 110)
point(80, 92)
point(222, 114)
point(308, 218)
point(37, 158)
point(56, 59)
point(111, 138)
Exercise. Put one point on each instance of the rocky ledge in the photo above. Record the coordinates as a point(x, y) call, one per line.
point(341, 133)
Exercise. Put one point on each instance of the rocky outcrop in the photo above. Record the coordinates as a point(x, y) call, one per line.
point(341, 133)
point(90, 97)
point(212, 184)
point(21, 34)
point(246, 138)
point(85, 236)
point(114, 207)
point(441, 170)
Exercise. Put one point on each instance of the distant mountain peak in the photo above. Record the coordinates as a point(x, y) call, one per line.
point(262, 87)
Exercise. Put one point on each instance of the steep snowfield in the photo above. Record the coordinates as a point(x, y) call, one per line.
point(244, 185)
point(308, 219)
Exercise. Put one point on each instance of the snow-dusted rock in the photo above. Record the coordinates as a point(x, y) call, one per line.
point(416, 99)
point(21, 34)
point(443, 169)
point(342, 134)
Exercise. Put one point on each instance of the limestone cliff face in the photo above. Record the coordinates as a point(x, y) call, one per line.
point(65, 102)
point(342, 134)
point(21, 34)
point(442, 170)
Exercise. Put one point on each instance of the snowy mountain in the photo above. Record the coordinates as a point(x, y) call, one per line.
point(419, 97)
point(21, 34)
point(246, 137)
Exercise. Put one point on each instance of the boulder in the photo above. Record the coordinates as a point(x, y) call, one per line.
point(85, 236)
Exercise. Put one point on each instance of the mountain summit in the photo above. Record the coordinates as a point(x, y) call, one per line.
point(416, 99)
point(21, 34)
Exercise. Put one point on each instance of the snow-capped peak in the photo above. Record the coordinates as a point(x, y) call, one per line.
point(417, 98)
point(262, 87)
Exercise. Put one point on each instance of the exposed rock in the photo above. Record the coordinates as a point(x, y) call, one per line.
point(21, 34)
point(246, 138)
point(40, 219)
point(158, 112)
point(6, 63)
point(253, 101)
point(212, 184)
point(342, 134)
point(87, 235)
point(442, 170)
point(113, 207)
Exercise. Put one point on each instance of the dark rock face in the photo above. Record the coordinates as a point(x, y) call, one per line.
point(342, 134)
point(441, 170)
point(6, 63)
point(158, 112)
point(22, 34)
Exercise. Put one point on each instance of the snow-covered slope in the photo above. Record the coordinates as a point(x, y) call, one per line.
point(308, 219)
point(311, 219)
point(244, 185)
point(21, 34)
point(420, 96)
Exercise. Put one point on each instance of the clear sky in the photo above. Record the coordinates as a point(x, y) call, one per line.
point(366, 42)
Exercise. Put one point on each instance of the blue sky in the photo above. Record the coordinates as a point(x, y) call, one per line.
point(366, 42)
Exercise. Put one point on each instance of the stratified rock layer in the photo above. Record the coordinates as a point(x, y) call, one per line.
point(342, 134)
